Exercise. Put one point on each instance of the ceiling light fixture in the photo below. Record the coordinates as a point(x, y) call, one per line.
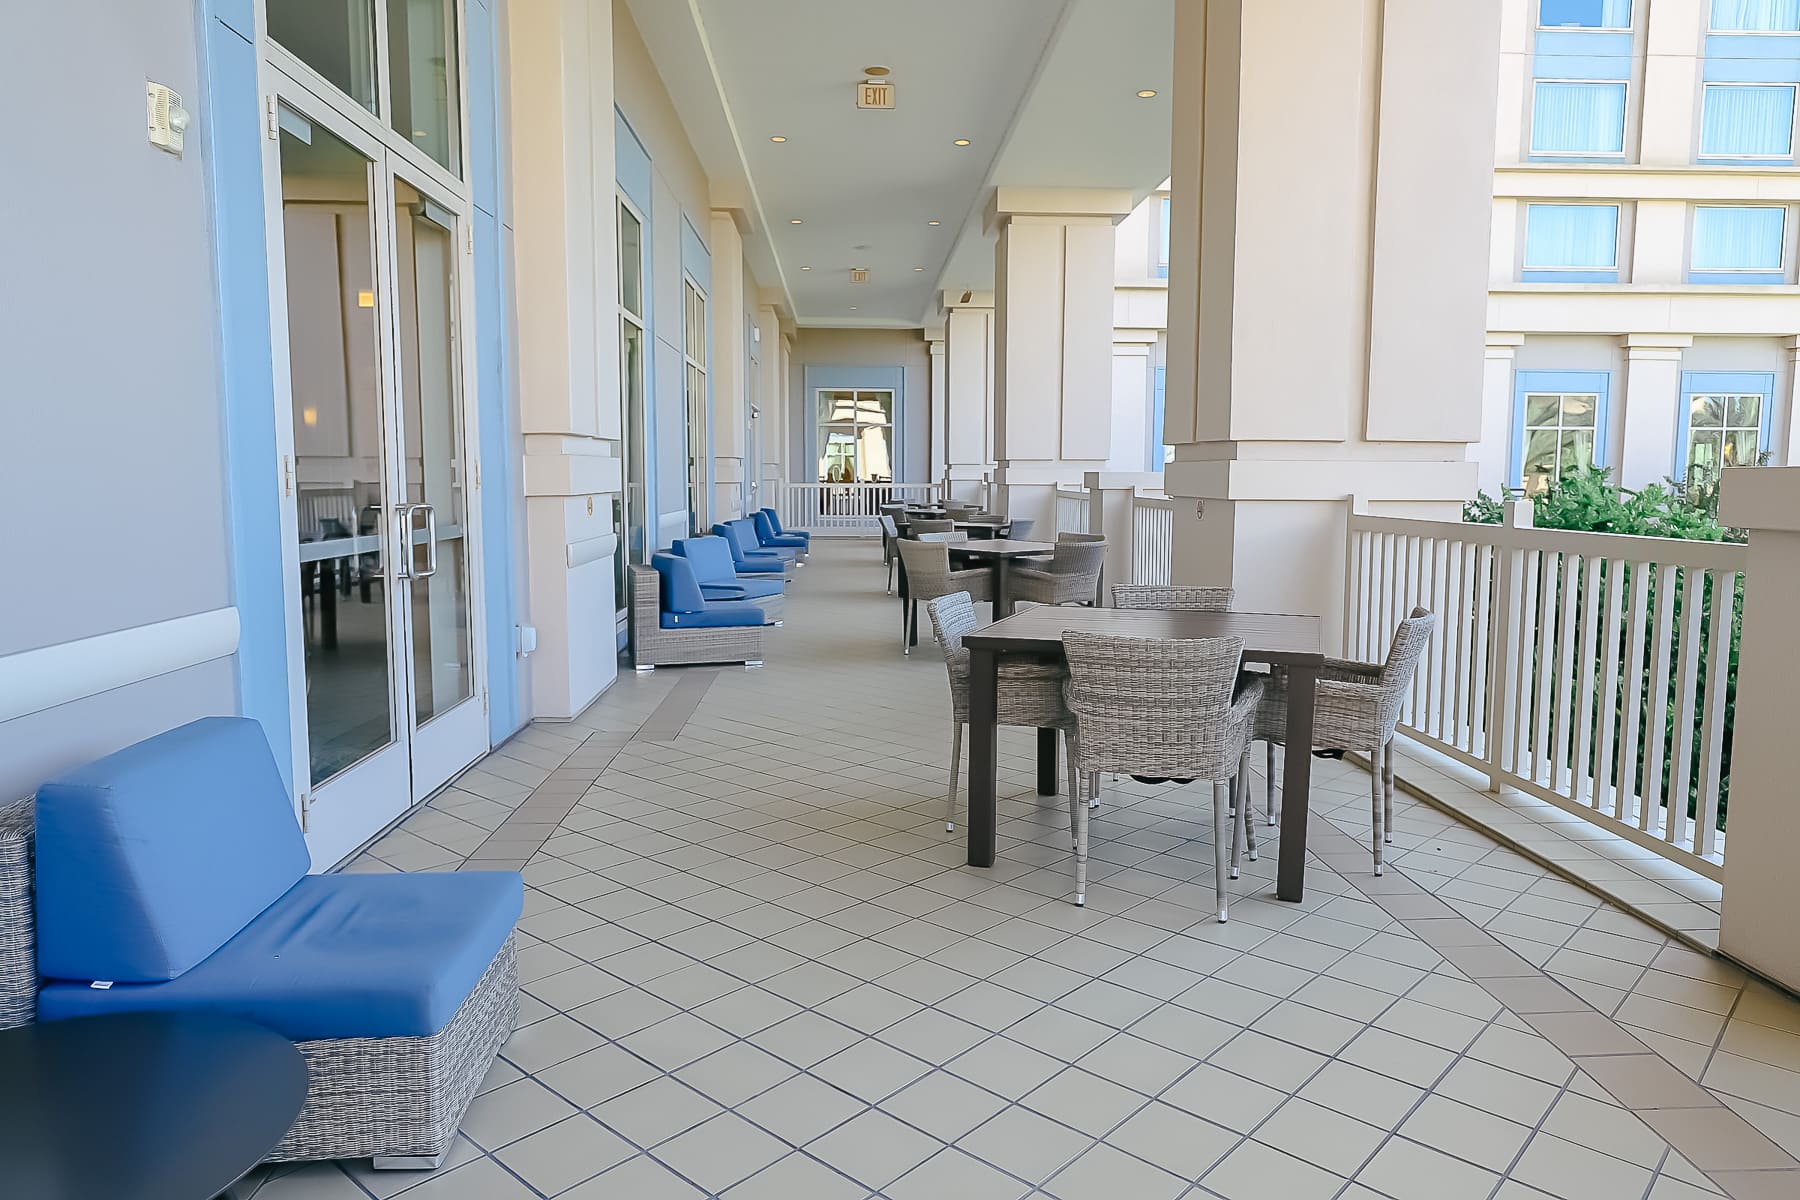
point(795, 221)
point(776, 137)
point(918, 268)
point(934, 222)
point(877, 72)
point(806, 268)
point(1147, 94)
point(960, 142)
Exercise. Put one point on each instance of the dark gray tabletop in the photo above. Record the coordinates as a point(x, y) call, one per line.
point(154, 1106)
point(1267, 637)
point(1001, 548)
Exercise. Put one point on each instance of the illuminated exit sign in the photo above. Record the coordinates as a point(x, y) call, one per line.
point(874, 93)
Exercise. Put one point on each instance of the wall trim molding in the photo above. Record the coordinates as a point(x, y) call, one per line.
point(34, 680)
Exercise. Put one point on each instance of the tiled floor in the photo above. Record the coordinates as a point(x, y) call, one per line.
point(756, 968)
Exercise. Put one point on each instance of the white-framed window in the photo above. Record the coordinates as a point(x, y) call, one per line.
point(1582, 118)
point(1724, 430)
point(694, 346)
point(1572, 238)
point(1584, 14)
point(1736, 241)
point(855, 435)
point(1747, 121)
point(632, 521)
point(1561, 435)
point(1755, 16)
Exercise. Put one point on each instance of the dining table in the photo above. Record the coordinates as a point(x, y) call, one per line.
point(997, 554)
point(1280, 642)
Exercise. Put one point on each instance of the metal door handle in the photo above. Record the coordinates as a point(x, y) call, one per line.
point(431, 553)
point(403, 560)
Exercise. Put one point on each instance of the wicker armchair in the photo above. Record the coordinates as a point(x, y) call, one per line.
point(1019, 528)
point(1167, 708)
point(1186, 599)
point(928, 577)
point(1072, 577)
point(1029, 694)
point(930, 525)
point(653, 646)
point(1357, 706)
point(890, 535)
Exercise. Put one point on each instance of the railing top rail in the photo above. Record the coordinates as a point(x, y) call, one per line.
point(1711, 556)
point(1154, 502)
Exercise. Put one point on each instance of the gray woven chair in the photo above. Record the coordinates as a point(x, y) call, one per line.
point(930, 525)
point(1029, 694)
point(959, 510)
point(1019, 528)
point(1180, 599)
point(1356, 707)
point(1167, 708)
point(1071, 535)
point(1072, 576)
point(890, 534)
point(929, 577)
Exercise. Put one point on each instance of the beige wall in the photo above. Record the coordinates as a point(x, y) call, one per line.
point(903, 348)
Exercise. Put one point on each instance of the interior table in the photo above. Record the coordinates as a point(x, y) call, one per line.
point(155, 1106)
point(1000, 554)
point(1288, 643)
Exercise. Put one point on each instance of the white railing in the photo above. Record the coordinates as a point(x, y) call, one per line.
point(1071, 511)
point(1152, 539)
point(848, 509)
point(1593, 671)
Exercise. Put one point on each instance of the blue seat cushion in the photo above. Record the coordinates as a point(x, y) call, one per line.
point(719, 614)
point(153, 857)
point(723, 591)
point(339, 956)
point(747, 588)
point(680, 589)
point(768, 535)
point(775, 521)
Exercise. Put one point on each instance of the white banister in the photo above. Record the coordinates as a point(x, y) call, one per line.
point(845, 509)
point(1590, 670)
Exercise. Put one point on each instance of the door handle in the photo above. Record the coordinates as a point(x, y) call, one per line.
point(431, 548)
point(403, 542)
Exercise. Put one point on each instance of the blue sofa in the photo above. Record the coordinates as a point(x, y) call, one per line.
point(747, 555)
point(753, 543)
point(775, 524)
point(672, 622)
point(174, 873)
point(772, 538)
point(710, 558)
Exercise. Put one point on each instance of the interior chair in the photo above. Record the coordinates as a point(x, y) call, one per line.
point(1172, 709)
point(890, 536)
point(710, 558)
point(931, 525)
point(1356, 707)
point(1072, 575)
point(775, 522)
point(772, 538)
point(1176, 599)
point(753, 541)
point(746, 556)
point(1019, 529)
point(673, 624)
point(928, 576)
point(171, 876)
point(1029, 694)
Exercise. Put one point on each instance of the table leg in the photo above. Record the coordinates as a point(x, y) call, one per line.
point(984, 686)
point(1047, 762)
point(1296, 787)
point(1003, 605)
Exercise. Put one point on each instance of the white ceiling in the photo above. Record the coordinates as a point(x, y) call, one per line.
point(1045, 90)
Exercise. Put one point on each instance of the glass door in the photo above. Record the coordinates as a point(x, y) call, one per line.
point(369, 296)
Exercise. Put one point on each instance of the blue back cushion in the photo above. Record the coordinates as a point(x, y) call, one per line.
point(734, 538)
point(680, 589)
point(765, 528)
point(746, 531)
point(711, 558)
point(150, 859)
point(774, 521)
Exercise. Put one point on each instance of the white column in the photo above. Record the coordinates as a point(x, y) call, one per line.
point(565, 252)
point(1675, 47)
point(1652, 390)
point(1762, 889)
point(937, 455)
point(1053, 323)
point(969, 392)
point(1319, 350)
point(728, 365)
point(1112, 499)
point(772, 400)
point(1492, 455)
point(1791, 457)
point(1133, 399)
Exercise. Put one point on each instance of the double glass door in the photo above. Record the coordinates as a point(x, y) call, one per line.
point(378, 474)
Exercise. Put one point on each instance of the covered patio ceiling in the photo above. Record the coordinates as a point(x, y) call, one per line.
point(1044, 91)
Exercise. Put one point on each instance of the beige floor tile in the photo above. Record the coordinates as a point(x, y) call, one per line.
point(1255, 1172)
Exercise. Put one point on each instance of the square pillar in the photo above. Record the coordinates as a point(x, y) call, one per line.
point(968, 393)
point(1353, 213)
point(1053, 376)
point(1762, 889)
point(729, 367)
point(565, 247)
point(1112, 512)
point(1652, 390)
point(1133, 402)
point(1493, 454)
point(1790, 448)
point(937, 453)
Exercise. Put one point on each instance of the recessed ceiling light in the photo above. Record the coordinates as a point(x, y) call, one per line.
point(853, 308)
point(877, 72)
point(776, 137)
point(960, 142)
point(918, 268)
point(934, 222)
point(1147, 93)
point(795, 221)
point(806, 268)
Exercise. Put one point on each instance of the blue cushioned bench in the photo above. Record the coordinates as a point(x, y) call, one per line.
point(710, 558)
point(172, 876)
point(673, 624)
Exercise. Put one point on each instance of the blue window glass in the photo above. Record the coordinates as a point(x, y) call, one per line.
point(1739, 239)
point(1572, 237)
point(1585, 14)
point(1578, 118)
point(1747, 121)
point(1756, 16)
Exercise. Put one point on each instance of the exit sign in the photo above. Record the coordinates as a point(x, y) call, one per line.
point(872, 94)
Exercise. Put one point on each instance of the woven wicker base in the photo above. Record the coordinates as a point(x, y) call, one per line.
point(654, 646)
point(18, 923)
point(403, 1097)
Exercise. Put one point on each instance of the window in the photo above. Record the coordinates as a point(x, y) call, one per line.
point(631, 524)
point(1756, 16)
point(1162, 222)
point(1726, 415)
point(699, 410)
point(1559, 425)
point(855, 435)
point(1578, 118)
point(1738, 245)
point(1584, 14)
point(1577, 243)
point(1747, 120)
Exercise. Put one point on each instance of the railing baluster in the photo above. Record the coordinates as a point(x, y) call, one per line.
point(1544, 669)
point(1584, 769)
point(1566, 637)
point(1656, 704)
point(1712, 736)
point(1608, 785)
point(1687, 651)
point(1631, 802)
